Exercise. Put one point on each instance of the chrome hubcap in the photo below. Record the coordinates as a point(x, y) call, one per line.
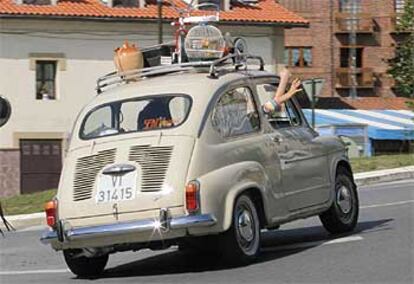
point(245, 226)
point(344, 199)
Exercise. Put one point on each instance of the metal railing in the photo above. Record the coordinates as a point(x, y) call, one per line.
point(361, 23)
point(364, 78)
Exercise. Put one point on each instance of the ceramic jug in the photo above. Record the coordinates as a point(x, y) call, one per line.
point(128, 57)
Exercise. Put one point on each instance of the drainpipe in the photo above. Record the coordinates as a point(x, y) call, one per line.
point(225, 5)
point(160, 31)
point(332, 43)
point(141, 3)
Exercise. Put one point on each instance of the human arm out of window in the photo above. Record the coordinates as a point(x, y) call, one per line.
point(280, 98)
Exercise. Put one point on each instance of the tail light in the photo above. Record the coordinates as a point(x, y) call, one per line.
point(192, 196)
point(51, 213)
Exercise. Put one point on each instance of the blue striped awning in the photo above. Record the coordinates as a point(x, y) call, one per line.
point(382, 124)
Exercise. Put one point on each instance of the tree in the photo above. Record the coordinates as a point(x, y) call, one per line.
point(402, 65)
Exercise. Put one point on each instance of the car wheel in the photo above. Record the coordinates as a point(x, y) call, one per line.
point(342, 216)
point(241, 243)
point(85, 266)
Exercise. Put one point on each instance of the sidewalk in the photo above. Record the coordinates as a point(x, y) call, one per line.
point(361, 179)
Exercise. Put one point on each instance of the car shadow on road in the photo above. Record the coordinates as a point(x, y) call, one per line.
point(282, 241)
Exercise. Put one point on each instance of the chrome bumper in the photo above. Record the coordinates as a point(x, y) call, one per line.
point(142, 226)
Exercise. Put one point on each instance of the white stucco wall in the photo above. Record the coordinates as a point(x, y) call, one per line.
point(88, 50)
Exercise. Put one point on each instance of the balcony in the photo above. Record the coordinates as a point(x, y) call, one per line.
point(364, 78)
point(396, 26)
point(361, 23)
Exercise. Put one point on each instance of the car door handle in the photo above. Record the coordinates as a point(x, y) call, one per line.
point(277, 139)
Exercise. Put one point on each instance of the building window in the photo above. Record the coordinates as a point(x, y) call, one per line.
point(301, 6)
point(399, 6)
point(125, 3)
point(46, 80)
point(346, 59)
point(350, 6)
point(36, 2)
point(298, 56)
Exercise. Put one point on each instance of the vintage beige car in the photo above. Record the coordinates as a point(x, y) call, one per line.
point(185, 155)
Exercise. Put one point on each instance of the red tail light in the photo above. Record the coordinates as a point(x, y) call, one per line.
point(51, 210)
point(192, 196)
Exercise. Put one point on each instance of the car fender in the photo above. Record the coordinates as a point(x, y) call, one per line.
point(220, 188)
point(338, 159)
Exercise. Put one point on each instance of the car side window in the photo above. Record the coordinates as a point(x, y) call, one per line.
point(293, 113)
point(236, 113)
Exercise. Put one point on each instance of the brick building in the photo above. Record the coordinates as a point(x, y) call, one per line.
point(323, 49)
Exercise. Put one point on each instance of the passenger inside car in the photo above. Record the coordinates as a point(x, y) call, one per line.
point(156, 114)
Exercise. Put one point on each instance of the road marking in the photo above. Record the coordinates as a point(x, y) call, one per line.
point(313, 244)
point(343, 240)
point(387, 204)
point(44, 271)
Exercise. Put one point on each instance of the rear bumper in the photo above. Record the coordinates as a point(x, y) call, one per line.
point(126, 228)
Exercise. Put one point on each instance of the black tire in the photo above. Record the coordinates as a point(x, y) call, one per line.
point(241, 243)
point(85, 267)
point(342, 216)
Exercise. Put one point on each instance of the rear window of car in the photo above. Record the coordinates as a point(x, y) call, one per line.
point(144, 114)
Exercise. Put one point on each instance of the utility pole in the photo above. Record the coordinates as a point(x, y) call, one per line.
point(313, 102)
point(160, 31)
point(353, 21)
point(313, 87)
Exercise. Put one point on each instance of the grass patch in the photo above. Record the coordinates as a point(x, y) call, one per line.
point(26, 203)
point(367, 164)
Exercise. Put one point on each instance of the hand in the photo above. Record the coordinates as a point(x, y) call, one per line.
point(294, 87)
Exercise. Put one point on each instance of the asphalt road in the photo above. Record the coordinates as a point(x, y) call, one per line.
point(381, 250)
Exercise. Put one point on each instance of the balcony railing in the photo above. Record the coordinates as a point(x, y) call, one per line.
point(364, 78)
point(396, 25)
point(361, 23)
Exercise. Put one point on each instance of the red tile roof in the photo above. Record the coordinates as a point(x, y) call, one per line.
point(366, 103)
point(267, 11)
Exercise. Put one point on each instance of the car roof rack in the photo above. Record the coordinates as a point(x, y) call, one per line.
point(238, 61)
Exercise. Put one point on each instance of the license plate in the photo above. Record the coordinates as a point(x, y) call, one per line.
point(112, 188)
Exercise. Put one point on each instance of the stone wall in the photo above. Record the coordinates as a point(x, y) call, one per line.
point(9, 172)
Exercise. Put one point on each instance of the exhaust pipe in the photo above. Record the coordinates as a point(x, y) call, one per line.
point(164, 220)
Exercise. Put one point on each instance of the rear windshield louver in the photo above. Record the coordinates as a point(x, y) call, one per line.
point(87, 169)
point(154, 162)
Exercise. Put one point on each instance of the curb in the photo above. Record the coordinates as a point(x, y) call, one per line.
point(25, 221)
point(368, 178)
point(361, 179)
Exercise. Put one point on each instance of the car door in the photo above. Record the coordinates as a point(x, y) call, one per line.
point(303, 162)
point(236, 118)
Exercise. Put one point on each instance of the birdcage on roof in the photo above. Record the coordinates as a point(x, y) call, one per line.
point(204, 42)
